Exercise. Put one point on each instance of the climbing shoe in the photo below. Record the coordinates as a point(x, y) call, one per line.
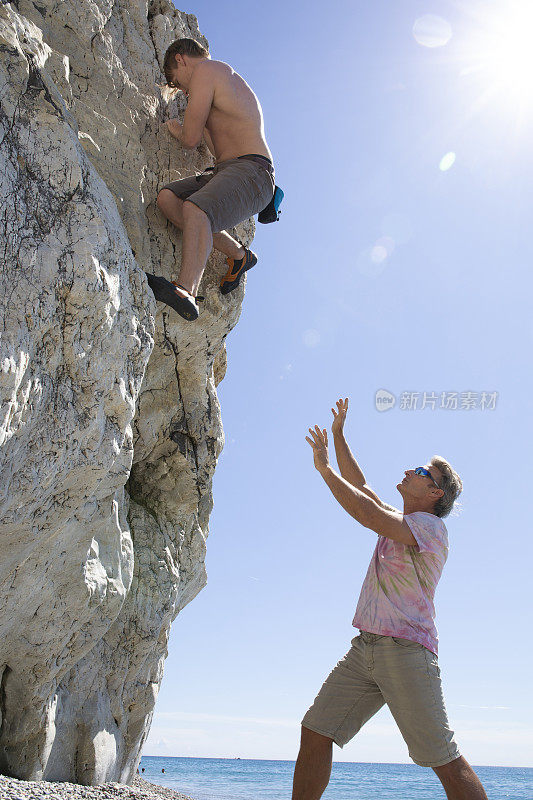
point(236, 270)
point(165, 292)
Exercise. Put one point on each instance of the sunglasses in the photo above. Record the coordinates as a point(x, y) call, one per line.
point(427, 474)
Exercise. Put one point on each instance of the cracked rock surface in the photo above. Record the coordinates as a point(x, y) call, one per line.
point(110, 425)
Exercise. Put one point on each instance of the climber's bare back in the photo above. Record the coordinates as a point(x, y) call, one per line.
point(235, 121)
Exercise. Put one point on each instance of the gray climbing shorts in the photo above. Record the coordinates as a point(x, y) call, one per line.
point(385, 669)
point(231, 192)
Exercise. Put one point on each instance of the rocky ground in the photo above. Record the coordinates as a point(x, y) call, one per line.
point(12, 789)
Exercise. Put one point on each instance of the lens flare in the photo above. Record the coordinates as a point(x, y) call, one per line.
point(447, 162)
point(311, 337)
point(432, 31)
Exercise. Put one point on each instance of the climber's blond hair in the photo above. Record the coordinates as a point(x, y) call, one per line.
point(184, 47)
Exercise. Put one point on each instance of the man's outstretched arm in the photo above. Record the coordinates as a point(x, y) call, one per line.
point(358, 504)
point(348, 466)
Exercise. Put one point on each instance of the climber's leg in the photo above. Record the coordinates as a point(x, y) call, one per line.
point(172, 207)
point(210, 204)
point(196, 246)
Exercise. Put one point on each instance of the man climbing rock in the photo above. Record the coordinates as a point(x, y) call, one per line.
point(394, 658)
point(224, 111)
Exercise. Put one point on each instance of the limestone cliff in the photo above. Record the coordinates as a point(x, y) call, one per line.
point(110, 425)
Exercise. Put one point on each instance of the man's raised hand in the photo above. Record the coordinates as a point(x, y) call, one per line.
point(339, 416)
point(319, 443)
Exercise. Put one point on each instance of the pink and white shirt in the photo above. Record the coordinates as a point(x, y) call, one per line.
point(397, 594)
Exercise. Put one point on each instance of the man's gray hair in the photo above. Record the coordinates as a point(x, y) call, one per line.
point(450, 482)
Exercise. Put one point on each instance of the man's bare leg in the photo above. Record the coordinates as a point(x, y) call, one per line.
point(172, 207)
point(313, 766)
point(460, 781)
point(195, 248)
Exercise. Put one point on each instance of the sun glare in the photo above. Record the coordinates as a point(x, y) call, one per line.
point(493, 47)
point(509, 51)
point(500, 52)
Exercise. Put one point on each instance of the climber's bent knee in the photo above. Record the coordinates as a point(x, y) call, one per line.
point(167, 200)
point(193, 212)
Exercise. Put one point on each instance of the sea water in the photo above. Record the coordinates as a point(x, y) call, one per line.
point(247, 779)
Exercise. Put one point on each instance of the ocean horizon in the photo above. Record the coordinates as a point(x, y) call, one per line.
point(258, 779)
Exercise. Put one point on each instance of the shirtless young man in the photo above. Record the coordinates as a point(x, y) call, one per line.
point(224, 111)
point(394, 658)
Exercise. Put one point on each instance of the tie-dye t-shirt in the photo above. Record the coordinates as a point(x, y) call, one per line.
point(397, 595)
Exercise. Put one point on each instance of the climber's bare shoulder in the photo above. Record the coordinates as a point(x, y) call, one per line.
point(235, 119)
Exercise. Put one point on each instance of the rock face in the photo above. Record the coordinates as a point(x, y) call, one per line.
point(110, 425)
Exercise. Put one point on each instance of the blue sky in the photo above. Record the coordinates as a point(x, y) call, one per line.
point(385, 272)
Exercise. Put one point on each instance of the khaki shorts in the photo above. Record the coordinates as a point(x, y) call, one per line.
point(384, 669)
point(233, 191)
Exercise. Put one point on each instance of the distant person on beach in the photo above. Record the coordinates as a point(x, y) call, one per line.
point(223, 111)
point(394, 658)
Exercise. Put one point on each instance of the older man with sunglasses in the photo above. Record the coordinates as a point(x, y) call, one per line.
point(394, 658)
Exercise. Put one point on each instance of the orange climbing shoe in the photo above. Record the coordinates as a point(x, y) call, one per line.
point(236, 270)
